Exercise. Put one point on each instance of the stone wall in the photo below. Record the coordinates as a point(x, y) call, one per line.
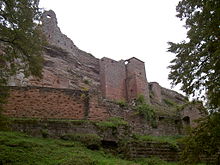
point(164, 126)
point(112, 76)
point(51, 103)
point(97, 111)
point(190, 113)
point(148, 149)
point(38, 102)
point(60, 128)
point(136, 80)
point(156, 91)
point(123, 80)
point(54, 103)
point(133, 149)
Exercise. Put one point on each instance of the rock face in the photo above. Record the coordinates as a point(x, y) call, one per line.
point(66, 66)
point(105, 82)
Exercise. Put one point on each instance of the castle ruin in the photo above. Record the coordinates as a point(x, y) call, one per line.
point(76, 85)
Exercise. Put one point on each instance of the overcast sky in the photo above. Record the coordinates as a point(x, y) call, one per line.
point(120, 29)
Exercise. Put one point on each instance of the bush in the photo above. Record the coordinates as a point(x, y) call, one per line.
point(140, 99)
point(144, 109)
point(122, 103)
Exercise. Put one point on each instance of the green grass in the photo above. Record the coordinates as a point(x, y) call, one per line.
point(20, 149)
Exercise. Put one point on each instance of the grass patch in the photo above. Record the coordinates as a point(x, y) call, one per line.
point(20, 149)
point(122, 103)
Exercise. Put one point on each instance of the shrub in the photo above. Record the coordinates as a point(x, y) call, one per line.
point(144, 109)
point(140, 99)
point(122, 103)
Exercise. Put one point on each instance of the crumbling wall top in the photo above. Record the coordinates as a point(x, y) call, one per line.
point(54, 35)
point(49, 17)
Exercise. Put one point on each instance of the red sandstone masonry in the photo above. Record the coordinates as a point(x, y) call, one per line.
point(123, 81)
point(37, 102)
point(41, 102)
point(136, 79)
point(96, 111)
point(112, 78)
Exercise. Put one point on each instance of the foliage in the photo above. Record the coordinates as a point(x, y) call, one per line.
point(21, 41)
point(197, 63)
point(20, 149)
point(112, 122)
point(20, 37)
point(144, 109)
point(203, 140)
point(122, 103)
point(197, 67)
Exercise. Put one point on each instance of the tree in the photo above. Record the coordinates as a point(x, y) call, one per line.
point(21, 41)
point(197, 62)
point(197, 68)
point(203, 140)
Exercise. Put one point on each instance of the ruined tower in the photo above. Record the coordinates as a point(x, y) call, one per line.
point(112, 79)
point(136, 81)
point(123, 80)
